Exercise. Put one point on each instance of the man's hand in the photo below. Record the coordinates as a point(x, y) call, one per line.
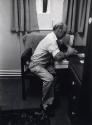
point(71, 51)
point(63, 55)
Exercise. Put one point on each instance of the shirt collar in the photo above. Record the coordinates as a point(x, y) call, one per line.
point(54, 35)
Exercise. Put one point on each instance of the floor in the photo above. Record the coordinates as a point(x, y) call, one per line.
point(11, 98)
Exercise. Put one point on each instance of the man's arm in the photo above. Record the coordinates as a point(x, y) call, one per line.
point(62, 55)
point(59, 56)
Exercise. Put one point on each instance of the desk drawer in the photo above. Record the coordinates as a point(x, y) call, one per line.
point(74, 100)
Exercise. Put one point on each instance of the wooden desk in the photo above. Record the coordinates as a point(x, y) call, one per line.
point(75, 65)
point(70, 76)
point(62, 73)
point(76, 68)
point(61, 65)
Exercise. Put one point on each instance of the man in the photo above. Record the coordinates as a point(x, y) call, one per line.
point(40, 60)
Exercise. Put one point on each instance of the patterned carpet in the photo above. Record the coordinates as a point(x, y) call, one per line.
point(23, 117)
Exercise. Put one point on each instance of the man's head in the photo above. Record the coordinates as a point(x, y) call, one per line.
point(67, 40)
point(60, 30)
point(64, 42)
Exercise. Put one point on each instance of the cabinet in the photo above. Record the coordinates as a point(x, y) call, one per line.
point(74, 99)
point(76, 69)
point(70, 80)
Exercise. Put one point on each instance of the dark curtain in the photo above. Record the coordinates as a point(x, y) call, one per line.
point(24, 16)
point(75, 15)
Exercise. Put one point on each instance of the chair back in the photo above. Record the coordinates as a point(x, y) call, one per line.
point(31, 40)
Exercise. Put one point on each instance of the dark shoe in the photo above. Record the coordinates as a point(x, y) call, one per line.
point(56, 102)
point(50, 111)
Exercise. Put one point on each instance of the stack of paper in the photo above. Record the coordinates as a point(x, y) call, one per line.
point(81, 56)
point(61, 64)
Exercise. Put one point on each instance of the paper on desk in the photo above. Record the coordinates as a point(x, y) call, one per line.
point(63, 62)
point(81, 55)
point(81, 61)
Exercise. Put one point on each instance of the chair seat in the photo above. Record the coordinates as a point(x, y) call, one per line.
point(35, 83)
point(31, 75)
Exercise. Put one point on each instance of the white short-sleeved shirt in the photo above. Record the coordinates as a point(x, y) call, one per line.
point(45, 47)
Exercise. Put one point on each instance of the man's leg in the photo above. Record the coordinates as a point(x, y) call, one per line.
point(48, 85)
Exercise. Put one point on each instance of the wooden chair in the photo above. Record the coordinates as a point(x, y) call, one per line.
point(30, 41)
point(27, 74)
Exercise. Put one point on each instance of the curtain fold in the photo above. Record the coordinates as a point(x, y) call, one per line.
point(33, 16)
point(14, 16)
point(27, 19)
point(65, 10)
point(79, 15)
point(73, 22)
point(24, 16)
point(69, 16)
point(76, 15)
point(21, 15)
point(83, 18)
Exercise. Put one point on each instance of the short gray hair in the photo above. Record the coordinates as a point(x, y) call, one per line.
point(61, 26)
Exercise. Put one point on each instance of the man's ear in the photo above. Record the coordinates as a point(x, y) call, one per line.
point(66, 40)
point(61, 46)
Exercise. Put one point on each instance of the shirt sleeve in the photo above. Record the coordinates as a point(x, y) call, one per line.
point(53, 48)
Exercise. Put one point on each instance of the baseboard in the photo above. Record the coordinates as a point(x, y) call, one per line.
point(11, 73)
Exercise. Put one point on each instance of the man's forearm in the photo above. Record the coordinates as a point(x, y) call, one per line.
point(61, 55)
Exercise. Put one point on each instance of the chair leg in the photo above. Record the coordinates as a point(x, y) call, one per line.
point(23, 89)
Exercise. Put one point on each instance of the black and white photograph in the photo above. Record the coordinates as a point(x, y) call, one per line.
point(45, 62)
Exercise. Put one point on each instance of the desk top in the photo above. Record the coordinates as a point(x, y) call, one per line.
point(75, 64)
